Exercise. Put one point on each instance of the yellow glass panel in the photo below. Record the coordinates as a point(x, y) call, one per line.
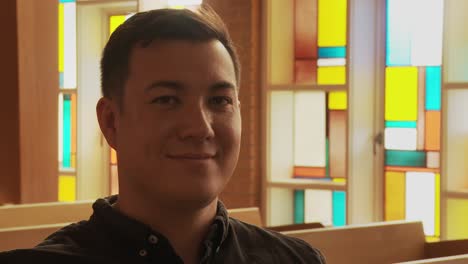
point(332, 23)
point(401, 94)
point(432, 239)
point(394, 196)
point(67, 188)
point(437, 206)
point(457, 218)
point(115, 21)
point(331, 75)
point(337, 101)
point(177, 7)
point(340, 180)
point(61, 38)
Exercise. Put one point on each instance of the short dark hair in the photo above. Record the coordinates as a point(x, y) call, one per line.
point(160, 24)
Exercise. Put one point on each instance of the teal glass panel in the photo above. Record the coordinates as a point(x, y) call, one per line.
point(433, 88)
point(398, 43)
point(61, 79)
point(299, 205)
point(339, 208)
point(332, 52)
point(405, 158)
point(67, 1)
point(67, 131)
point(401, 124)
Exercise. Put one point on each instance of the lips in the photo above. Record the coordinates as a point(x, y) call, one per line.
point(191, 156)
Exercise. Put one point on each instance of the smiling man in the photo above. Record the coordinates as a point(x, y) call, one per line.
point(170, 80)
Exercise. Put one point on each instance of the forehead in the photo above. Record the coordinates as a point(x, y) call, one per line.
point(181, 60)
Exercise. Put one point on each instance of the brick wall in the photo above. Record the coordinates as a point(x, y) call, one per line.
point(242, 18)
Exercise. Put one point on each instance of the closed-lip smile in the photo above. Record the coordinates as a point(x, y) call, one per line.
point(191, 156)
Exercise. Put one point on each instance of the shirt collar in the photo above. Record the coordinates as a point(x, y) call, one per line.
point(133, 233)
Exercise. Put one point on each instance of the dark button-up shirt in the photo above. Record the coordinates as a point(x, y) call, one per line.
point(112, 237)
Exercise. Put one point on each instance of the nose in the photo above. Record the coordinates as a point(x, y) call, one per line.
point(196, 123)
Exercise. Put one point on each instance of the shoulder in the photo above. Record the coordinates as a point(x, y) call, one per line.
point(282, 245)
point(40, 255)
point(62, 246)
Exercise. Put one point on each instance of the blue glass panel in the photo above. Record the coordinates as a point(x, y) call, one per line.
point(332, 52)
point(61, 79)
point(299, 205)
point(339, 208)
point(67, 131)
point(433, 88)
point(405, 158)
point(398, 42)
point(401, 124)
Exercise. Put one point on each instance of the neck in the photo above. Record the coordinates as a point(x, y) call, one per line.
point(185, 228)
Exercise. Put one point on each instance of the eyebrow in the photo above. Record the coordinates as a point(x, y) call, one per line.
point(175, 85)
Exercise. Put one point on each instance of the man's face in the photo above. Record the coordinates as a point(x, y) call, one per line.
point(178, 134)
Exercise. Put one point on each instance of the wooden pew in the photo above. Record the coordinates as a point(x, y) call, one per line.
point(44, 213)
point(29, 236)
point(387, 242)
point(284, 228)
point(458, 259)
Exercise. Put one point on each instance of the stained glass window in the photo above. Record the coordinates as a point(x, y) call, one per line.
point(413, 112)
point(308, 113)
point(67, 100)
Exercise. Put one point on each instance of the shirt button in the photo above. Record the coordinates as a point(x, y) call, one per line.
point(143, 253)
point(153, 239)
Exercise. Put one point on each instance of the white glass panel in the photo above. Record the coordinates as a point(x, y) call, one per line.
point(420, 199)
point(309, 129)
point(433, 159)
point(281, 207)
point(69, 74)
point(281, 135)
point(331, 62)
point(401, 138)
point(456, 139)
point(145, 5)
point(456, 41)
point(184, 2)
point(318, 207)
point(399, 20)
point(426, 40)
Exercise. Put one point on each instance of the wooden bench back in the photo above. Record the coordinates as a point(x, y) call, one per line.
point(44, 213)
point(29, 236)
point(458, 259)
point(381, 243)
point(249, 215)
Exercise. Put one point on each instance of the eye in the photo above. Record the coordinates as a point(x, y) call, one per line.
point(165, 100)
point(221, 100)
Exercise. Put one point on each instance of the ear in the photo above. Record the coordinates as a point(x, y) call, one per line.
point(106, 111)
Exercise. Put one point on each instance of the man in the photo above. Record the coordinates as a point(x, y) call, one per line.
point(171, 111)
